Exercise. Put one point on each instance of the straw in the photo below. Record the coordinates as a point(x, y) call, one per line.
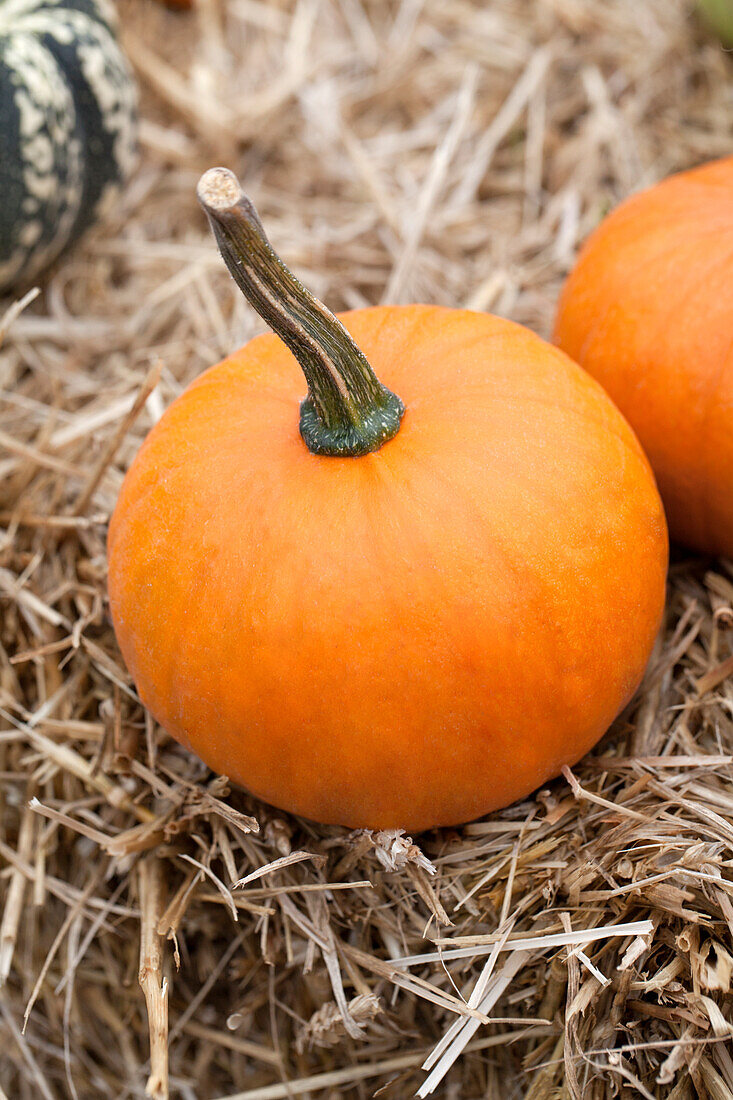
point(421, 150)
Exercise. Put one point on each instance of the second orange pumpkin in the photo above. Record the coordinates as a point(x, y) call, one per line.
point(648, 311)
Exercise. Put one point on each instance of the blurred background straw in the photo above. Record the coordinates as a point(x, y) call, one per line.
point(575, 945)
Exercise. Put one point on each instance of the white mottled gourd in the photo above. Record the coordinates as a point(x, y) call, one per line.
point(67, 127)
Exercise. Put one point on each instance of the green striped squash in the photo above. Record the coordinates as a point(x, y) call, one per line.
point(67, 127)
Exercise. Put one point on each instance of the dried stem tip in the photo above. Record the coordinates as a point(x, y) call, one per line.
point(219, 189)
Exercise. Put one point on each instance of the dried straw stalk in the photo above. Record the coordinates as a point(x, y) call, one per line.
point(153, 984)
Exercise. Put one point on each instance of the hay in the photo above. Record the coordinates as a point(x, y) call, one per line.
point(577, 944)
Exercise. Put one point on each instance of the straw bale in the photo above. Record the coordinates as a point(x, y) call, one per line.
point(162, 933)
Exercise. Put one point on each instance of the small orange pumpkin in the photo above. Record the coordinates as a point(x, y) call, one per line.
point(385, 620)
point(648, 311)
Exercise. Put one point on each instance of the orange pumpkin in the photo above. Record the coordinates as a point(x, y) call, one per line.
point(385, 620)
point(648, 311)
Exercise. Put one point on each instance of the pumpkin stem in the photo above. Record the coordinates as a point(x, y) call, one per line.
point(347, 411)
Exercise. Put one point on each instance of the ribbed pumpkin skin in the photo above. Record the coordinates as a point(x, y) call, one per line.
point(67, 127)
point(410, 638)
point(648, 311)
